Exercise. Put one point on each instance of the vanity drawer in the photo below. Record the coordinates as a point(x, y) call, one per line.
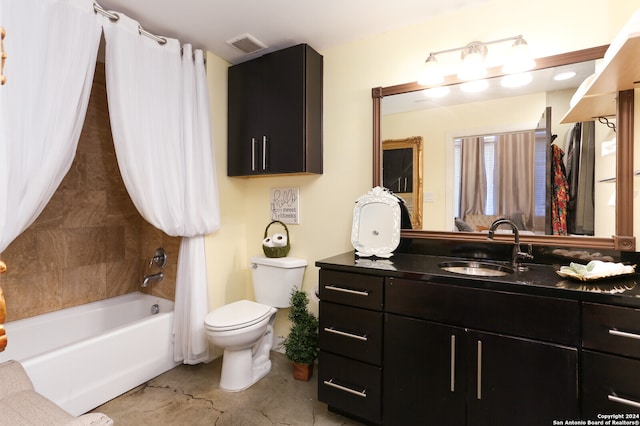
point(609, 385)
point(522, 315)
point(364, 291)
point(352, 332)
point(611, 329)
point(349, 386)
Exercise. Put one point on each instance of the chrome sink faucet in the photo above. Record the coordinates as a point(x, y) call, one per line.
point(516, 254)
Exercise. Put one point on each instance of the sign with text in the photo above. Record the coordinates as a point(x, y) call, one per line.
point(285, 205)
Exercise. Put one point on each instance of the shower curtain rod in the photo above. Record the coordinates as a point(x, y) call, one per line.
point(114, 17)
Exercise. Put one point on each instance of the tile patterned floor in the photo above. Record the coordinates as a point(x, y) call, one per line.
point(189, 395)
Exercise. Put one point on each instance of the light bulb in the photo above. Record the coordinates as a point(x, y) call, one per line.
point(472, 66)
point(431, 73)
point(519, 58)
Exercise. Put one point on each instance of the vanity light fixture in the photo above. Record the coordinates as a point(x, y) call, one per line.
point(473, 65)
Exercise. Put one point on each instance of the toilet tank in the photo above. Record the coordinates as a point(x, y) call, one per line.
point(275, 277)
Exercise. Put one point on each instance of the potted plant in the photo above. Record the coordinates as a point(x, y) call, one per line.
point(301, 345)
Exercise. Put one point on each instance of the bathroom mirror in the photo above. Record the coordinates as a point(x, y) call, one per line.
point(387, 98)
point(402, 173)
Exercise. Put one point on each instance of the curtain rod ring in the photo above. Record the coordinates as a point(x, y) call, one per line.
point(113, 17)
point(161, 40)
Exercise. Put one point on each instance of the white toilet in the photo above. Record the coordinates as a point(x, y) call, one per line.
point(244, 329)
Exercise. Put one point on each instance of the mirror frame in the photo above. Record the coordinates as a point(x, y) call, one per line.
point(622, 241)
point(415, 144)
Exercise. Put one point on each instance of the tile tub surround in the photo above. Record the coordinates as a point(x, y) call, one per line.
point(89, 243)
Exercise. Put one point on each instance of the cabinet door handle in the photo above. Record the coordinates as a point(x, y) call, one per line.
point(362, 393)
point(624, 334)
point(479, 390)
point(347, 290)
point(623, 401)
point(253, 154)
point(345, 334)
point(453, 363)
point(264, 152)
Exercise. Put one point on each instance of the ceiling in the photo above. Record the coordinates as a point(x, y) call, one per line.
point(208, 24)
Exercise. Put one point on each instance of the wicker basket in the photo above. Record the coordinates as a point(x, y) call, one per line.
point(276, 251)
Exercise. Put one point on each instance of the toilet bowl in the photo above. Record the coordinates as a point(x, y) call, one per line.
point(244, 329)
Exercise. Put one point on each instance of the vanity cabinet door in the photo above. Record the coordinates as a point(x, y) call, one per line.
point(424, 373)
point(519, 381)
point(438, 374)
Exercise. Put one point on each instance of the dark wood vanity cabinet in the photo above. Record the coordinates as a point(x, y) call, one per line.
point(439, 370)
point(350, 339)
point(275, 114)
point(411, 352)
point(611, 360)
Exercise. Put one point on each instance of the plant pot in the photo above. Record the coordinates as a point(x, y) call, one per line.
point(302, 371)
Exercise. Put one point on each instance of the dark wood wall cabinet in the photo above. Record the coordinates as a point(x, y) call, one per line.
point(400, 351)
point(275, 114)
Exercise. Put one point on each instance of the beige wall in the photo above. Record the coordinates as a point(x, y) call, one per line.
point(350, 71)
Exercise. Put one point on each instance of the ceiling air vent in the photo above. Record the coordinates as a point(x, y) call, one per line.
point(246, 43)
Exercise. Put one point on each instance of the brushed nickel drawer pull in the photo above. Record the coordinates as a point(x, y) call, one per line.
point(625, 334)
point(453, 363)
point(362, 393)
point(479, 390)
point(347, 290)
point(345, 334)
point(253, 154)
point(623, 401)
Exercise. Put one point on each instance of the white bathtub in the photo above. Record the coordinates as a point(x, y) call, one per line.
point(82, 357)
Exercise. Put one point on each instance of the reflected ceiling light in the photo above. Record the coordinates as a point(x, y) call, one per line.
point(516, 80)
point(474, 86)
point(431, 73)
point(564, 76)
point(473, 65)
point(436, 92)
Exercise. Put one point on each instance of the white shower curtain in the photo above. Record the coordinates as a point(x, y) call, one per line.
point(51, 51)
point(158, 104)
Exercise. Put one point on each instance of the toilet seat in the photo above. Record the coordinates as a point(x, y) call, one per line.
point(236, 315)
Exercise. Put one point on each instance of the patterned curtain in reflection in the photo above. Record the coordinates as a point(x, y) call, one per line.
point(514, 176)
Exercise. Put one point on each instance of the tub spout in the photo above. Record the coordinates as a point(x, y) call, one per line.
point(153, 277)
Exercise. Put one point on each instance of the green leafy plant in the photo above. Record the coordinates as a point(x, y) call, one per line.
point(301, 345)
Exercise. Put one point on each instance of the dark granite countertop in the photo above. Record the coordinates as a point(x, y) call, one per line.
point(541, 280)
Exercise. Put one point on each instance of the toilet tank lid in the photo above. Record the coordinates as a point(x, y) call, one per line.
point(279, 262)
